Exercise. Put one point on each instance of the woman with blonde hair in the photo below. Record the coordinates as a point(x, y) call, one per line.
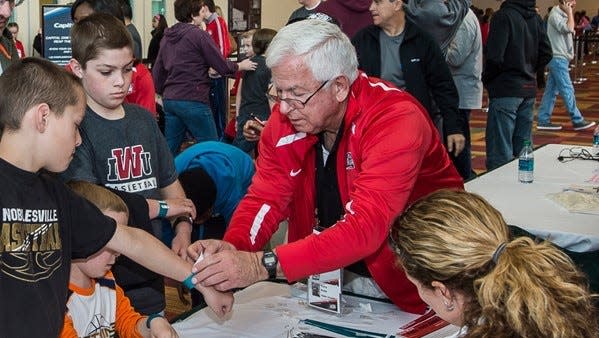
point(456, 248)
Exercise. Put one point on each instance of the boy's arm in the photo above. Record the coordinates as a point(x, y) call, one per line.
point(148, 251)
point(129, 323)
point(182, 229)
point(127, 318)
point(159, 327)
point(68, 330)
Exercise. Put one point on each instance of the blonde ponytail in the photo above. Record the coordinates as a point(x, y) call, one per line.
point(513, 288)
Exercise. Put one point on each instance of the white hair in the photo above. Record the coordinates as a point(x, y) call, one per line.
point(325, 49)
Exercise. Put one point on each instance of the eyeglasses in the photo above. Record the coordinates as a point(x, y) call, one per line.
point(11, 3)
point(295, 103)
point(575, 153)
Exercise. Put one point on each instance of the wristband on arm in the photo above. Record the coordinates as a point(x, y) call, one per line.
point(163, 209)
point(152, 317)
point(180, 219)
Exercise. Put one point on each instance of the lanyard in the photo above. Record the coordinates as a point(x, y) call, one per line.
point(5, 52)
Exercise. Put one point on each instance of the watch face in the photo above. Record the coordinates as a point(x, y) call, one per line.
point(269, 259)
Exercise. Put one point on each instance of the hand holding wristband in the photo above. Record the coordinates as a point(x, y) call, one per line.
point(187, 282)
point(152, 317)
point(163, 209)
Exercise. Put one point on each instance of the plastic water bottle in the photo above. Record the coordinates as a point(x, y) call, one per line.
point(526, 164)
point(596, 142)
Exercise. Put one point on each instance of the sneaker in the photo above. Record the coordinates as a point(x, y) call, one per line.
point(548, 126)
point(584, 124)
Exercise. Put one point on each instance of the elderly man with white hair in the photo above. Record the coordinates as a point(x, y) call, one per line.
point(342, 153)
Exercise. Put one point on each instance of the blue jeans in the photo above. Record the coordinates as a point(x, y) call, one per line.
point(558, 82)
point(181, 115)
point(218, 103)
point(509, 124)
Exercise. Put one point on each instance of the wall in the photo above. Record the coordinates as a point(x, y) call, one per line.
point(274, 15)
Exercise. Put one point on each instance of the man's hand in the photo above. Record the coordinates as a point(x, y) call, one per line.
point(252, 130)
point(208, 247)
point(229, 269)
point(220, 302)
point(455, 143)
point(182, 239)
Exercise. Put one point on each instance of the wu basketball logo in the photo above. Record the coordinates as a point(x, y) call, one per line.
point(129, 163)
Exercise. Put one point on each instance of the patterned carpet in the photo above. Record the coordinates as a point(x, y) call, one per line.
point(587, 99)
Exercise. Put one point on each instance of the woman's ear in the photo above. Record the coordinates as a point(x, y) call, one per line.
point(76, 68)
point(443, 291)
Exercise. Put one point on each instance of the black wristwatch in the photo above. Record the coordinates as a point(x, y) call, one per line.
point(270, 261)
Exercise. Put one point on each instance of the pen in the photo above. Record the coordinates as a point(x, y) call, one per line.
point(255, 118)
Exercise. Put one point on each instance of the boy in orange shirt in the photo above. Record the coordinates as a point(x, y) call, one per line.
point(97, 306)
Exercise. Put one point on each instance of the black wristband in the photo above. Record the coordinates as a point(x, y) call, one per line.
point(152, 317)
point(180, 219)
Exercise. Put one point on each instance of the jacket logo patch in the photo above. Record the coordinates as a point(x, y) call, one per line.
point(349, 162)
point(415, 60)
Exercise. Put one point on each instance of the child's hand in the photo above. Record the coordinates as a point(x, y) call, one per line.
point(220, 302)
point(160, 328)
point(180, 207)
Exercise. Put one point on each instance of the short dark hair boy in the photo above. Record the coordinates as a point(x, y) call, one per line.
point(42, 221)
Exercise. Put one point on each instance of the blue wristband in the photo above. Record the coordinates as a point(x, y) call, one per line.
point(163, 209)
point(152, 317)
point(188, 283)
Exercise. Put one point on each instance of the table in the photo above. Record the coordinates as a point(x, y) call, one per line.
point(527, 205)
point(268, 309)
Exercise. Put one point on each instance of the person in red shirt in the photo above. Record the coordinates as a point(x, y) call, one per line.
point(342, 153)
point(13, 27)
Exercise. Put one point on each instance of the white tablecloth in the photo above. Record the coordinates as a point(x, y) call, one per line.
point(527, 205)
point(274, 310)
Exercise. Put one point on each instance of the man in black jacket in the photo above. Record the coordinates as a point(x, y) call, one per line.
point(517, 47)
point(396, 50)
point(8, 51)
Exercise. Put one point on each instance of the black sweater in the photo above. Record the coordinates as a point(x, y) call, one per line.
point(426, 73)
point(516, 48)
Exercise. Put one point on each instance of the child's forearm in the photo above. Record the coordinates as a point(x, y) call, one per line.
point(146, 250)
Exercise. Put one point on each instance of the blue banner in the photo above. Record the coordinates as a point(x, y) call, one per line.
point(56, 31)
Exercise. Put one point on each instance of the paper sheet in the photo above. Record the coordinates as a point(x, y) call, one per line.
point(577, 201)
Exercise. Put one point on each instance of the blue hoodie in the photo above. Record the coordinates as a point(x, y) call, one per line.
point(230, 168)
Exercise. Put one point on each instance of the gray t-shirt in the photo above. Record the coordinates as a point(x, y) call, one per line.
point(129, 154)
point(390, 60)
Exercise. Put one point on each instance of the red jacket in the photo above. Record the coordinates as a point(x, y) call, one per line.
point(390, 155)
point(141, 90)
point(217, 28)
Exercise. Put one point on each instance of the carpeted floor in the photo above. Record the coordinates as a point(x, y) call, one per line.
point(587, 95)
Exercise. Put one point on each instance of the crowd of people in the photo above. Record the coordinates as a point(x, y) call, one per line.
point(351, 127)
